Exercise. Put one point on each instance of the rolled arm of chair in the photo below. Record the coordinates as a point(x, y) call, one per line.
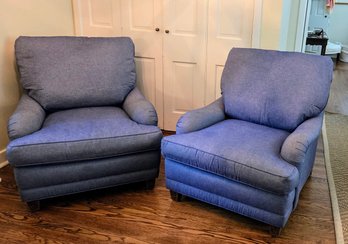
point(26, 119)
point(201, 118)
point(295, 147)
point(139, 109)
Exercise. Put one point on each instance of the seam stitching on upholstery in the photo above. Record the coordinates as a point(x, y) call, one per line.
point(275, 192)
point(83, 140)
point(91, 158)
point(81, 191)
point(242, 213)
point(235, 161)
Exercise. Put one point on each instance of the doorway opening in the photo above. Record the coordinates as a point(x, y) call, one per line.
point(325, 32)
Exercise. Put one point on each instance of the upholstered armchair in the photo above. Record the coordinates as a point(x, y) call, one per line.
point(81, 123)
point(252, 150)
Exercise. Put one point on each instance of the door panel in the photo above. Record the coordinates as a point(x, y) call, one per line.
point(142, 15)
point(230, 25)
point(186, 17)
point(183, 85)
point(145, 68)
point(137, 19)
point(218, 74)
point(184, 53)
point(140, 18)
point(97, 17)
point(180, 70)
point(319, 18)
point(229, 19)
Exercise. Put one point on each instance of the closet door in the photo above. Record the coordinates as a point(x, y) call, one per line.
point(230, 25)
point(142, 21)
point(97, 17)
point(184, 55)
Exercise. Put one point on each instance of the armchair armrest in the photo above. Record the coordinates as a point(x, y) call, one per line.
point(201, 118)
point(26, 119)
point(139, 109)
point(296, 145)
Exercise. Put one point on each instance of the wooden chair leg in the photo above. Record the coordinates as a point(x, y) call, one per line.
point(34, 206)
point(275, 231)
point(150, 184)
point(177, 197)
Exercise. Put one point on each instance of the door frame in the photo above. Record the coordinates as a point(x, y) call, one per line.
point(302, 25)
point(257, 22)
point(77, 17)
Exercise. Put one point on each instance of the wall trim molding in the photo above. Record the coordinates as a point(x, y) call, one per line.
point(3, 161)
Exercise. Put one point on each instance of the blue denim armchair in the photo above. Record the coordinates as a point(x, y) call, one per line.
point(81, 123)
point(252, 150)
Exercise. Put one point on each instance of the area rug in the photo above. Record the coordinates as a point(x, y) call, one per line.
point(335, 135)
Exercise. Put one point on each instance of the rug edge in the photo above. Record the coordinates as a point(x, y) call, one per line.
point(332, 188)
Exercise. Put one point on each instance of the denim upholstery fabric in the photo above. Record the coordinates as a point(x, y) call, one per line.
point(277, 89)
point(83, 134)
point(40, 193)
point(256, 158)
point(300, 146)
point(139, 109)
point(239, 151)
point(27, 118)
point(214, 189)
point(61, 173)
point(87, 175)
point(295, 147)
point(70, 72)
point(201, 118)
point(305, 169)
point(83, 125)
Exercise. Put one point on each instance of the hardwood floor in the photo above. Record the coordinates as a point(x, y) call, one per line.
point(338, 101)
point(135, 215)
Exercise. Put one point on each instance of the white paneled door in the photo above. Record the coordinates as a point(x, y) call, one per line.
point(142, 21)
point(180, 45)
point(97, 17)
point(230, 25)
point(319, 17)
point(184, 55)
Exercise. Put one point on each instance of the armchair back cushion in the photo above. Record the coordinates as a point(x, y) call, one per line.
point(70, 72)
point(260, 86)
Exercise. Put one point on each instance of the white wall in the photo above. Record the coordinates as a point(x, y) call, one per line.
point(338, 28)
point(271, 24)
point(279, 24)
point(29, 17)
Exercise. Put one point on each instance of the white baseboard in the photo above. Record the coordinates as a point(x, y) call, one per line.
point(3, 161)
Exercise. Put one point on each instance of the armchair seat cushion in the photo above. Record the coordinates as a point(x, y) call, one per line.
point(83, 134)
point(237, 150)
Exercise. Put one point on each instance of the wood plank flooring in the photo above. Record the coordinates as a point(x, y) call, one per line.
point(133, 215)
point(338, 101)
